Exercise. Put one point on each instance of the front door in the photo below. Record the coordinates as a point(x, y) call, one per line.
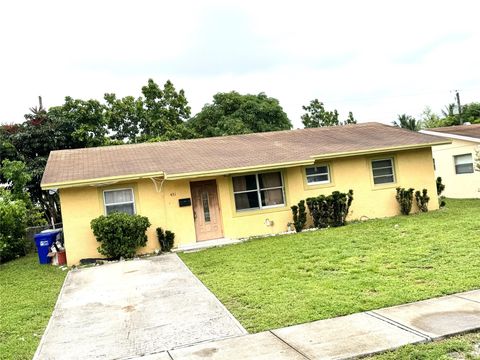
point(206, 210)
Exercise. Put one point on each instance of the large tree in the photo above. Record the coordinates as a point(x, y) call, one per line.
point(159, 114)
point(316, 116)
point(233, 113)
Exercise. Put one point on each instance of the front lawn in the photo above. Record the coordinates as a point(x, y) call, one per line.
point(291, 279)
point(466, 347)
point(27, 297)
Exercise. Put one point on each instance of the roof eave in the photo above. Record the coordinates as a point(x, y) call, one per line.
point(379, 150)
point(100, 181)
point(451, 136)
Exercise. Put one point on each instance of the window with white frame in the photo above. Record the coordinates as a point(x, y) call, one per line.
point(319, 174)
point(121, 200)
point(258, 191)
point(383, 171)
point(463, 164)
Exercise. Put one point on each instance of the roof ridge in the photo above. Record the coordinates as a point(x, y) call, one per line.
point(257, 134)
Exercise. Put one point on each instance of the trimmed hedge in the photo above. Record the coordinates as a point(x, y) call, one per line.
point(120, 234)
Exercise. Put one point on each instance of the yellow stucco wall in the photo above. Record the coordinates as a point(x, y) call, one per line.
point(413, 168)
point(460, 186)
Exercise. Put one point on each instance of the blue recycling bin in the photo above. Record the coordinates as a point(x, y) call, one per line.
point(44, 241)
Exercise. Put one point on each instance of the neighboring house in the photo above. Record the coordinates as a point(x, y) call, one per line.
point(455, 162)
point(236, 186)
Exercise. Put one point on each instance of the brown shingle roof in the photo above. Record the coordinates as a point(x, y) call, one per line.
point(223, 153)
point(472, 130)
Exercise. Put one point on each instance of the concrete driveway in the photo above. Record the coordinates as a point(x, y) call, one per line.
point(132, 308)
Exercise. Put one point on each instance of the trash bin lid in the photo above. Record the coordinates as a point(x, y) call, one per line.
point(45, 235)
point(49, 231)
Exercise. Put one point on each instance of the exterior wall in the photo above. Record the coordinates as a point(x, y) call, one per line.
point(80, 205)
point(456, 185)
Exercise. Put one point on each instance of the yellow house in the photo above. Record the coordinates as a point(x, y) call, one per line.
point(455, 162)
point(236, 186)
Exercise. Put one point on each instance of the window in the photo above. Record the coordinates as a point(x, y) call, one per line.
point(258, 191)
point(383, 171)
point(119, 200)
point(317, 175)
point(463, 164)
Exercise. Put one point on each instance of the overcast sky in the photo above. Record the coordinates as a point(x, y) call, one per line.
point(375, 58)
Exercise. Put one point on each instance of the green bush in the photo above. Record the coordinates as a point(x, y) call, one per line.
point(13, 215)
point(166, 239)
point(440, 189)
point(405, 199)
point(120, 234)
point(299, 216)
point(440, 186)
point(330, 210)
point(422, 200)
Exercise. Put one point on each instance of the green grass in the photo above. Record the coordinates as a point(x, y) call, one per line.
point(27, 297)
point(459, 347)
point(284, 280)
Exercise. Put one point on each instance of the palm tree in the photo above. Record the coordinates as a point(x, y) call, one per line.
point(408, 122)
point(449, 110)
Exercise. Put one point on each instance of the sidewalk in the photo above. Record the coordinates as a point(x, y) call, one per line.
point(349, 336)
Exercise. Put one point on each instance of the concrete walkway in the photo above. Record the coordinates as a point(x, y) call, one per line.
point(131, 308)
point(349, 336)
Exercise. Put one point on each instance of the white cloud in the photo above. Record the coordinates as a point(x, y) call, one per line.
point(375, 58)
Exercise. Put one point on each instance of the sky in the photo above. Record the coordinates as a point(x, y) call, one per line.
point(377, 59)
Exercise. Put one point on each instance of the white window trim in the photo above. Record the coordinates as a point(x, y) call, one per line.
point(119, 203)
point(258, 191)
point(313, 175)
point(469, 163)
point(392, 162)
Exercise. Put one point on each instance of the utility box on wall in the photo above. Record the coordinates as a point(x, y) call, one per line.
point(184, 202)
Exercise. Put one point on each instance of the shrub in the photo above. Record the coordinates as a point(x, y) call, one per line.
point(331, 210)
point(299, 216)
point(120, 234)
point(319, 210)
point(340, 204)
point(405, 199)
point(13, 215)
point(422, 200)
point(166, 239)
point(440, 186)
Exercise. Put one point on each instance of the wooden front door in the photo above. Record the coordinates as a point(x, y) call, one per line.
point(206, 210)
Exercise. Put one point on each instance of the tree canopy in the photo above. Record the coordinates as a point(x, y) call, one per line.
point(158, 114)
point(408, 122)
point(232, 113)
point(316, 116)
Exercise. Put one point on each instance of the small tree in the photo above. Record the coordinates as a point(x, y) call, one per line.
point(299, 216)
point(422, 200)
point(405, 199)
point(120, 234)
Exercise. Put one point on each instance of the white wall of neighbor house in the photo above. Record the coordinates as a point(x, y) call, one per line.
point(452, 165)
